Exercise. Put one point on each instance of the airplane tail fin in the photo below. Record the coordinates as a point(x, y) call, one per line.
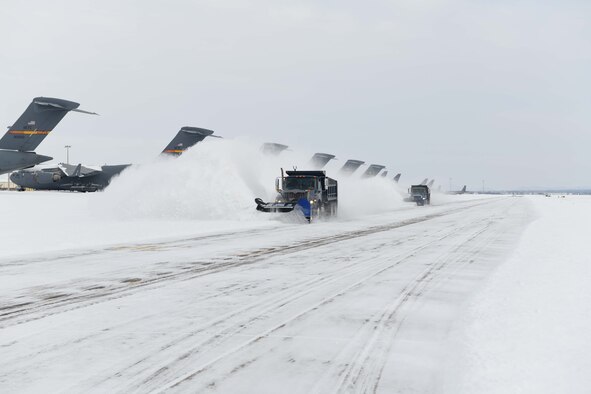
point(463, 189)
point(186, 138)
point(78, 170)
point(425, 181)
point(397, 177)
point(351, 166)
point(385, 174)
point(431, 182)
point(273, 148)
point(319, 160)
point(38, 120)
point(373, 170)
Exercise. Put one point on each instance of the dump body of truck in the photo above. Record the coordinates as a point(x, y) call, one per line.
point(420, 194)
point(311, 192)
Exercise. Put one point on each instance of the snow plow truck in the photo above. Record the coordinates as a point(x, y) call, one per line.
point(310, 192)
point(420, 194)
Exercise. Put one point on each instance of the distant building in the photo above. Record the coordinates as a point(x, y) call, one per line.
point(5, 185)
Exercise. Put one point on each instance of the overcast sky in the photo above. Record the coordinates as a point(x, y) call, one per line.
point(469, 90)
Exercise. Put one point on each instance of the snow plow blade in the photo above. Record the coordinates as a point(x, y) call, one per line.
point(274, 206)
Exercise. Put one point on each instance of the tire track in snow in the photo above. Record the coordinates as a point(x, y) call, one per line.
point(270, 305)
point(149, 371)
point(359, 367)
point(362, 375)
point(315, 307)
point(159, 371)
point(29, 311)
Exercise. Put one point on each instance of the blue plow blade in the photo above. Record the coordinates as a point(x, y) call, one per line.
point(305, 207)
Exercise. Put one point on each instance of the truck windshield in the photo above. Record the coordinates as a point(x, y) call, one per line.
point(299, 183)
point(418, 190)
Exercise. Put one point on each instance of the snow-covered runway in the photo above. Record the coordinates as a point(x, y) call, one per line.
point(359, 305)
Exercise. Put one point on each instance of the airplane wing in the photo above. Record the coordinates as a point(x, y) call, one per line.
point(38, 120)
point(77, 171)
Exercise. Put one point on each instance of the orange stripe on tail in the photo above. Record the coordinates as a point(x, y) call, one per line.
point(28, 132)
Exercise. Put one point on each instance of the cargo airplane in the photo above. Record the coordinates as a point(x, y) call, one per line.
point(90, 179)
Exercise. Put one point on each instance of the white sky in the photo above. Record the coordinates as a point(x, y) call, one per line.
point(473, 90)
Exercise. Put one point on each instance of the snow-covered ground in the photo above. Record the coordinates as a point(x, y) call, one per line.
point(39, 222)
point(528, 329)
point(120, 292)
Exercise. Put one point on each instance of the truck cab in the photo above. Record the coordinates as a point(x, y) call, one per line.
point(420, 194)
point(315, 186)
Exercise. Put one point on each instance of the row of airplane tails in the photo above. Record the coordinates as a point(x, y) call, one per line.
point(43, 114)
point(320, 160)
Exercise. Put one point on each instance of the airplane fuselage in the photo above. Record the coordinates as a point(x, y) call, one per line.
point(54, 179)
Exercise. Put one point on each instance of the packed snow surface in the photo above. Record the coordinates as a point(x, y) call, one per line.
point(528, 329)
point(170, 281)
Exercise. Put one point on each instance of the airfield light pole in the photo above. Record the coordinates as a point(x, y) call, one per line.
point(68, 153)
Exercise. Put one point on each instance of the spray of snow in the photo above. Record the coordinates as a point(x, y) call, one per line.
point(359, 197)
point(219, 179)
point(214, 180)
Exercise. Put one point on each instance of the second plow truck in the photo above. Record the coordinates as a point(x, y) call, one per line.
point(420, 194)
point(311, 192)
